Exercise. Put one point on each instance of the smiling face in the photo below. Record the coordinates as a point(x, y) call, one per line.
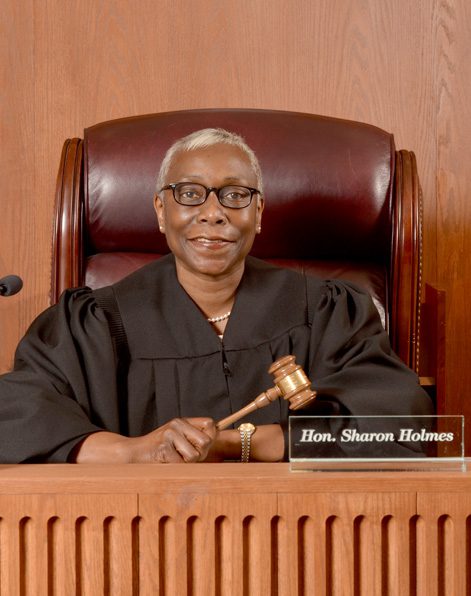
point(209, 239)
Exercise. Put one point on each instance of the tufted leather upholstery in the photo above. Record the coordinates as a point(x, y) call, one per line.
point(339, 202)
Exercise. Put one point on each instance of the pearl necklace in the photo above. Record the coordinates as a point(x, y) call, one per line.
point(220, 318)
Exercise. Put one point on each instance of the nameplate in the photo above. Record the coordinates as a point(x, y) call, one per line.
point(376, 442)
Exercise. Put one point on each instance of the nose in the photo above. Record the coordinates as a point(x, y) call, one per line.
point(211, 211)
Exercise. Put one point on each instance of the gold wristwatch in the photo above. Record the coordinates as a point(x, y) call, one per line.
point(246, 430)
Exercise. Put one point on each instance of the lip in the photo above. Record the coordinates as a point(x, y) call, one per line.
point(210, 242)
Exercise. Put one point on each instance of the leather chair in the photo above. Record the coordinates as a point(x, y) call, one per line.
point(341, 202)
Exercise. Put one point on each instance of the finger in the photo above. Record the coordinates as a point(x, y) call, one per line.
point(188, 451)
point(182, 438)
point(201, 441)
point(176, 448)
point(165, 453)
point(206, 425)
point(199, 431)
point(179, 440)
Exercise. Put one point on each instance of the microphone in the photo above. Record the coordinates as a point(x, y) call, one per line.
point(9, 285)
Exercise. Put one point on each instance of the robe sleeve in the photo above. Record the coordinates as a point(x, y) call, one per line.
point(63, 365)
point(352, 365)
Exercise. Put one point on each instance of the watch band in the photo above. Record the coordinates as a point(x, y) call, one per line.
point(246, 431)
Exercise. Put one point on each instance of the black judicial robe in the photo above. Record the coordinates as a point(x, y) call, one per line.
point(63, 386)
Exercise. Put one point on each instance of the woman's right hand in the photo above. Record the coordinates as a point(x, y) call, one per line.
point(179, 440)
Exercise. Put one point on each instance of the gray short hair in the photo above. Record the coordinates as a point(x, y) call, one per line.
point(206, 138)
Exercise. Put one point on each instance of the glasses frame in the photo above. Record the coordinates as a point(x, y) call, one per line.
point(208, 191)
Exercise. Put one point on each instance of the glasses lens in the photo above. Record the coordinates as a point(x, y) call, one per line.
point(235, 197)
point(190, 194)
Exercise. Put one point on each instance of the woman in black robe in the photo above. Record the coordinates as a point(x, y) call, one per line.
point(202, 326)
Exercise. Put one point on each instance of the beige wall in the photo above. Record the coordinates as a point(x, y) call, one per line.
point(400, 65)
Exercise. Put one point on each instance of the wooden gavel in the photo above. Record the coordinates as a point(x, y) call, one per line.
point(291, 383)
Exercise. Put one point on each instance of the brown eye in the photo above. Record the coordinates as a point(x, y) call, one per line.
point(235, 196)
point(190, 194)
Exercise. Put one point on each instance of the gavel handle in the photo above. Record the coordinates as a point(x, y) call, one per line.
point(261, 401)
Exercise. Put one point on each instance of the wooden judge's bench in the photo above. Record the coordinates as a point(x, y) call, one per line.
point(230, 529)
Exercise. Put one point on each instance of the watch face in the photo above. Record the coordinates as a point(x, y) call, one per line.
point(247, 427)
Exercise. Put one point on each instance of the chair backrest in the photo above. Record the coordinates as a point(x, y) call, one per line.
point(340, 202)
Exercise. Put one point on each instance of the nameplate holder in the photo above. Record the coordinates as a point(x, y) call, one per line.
point(379, 443)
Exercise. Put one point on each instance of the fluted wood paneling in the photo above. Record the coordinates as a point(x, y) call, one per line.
point(444, 567)
point(402, 66)
point(343, 543)
point(216, 544)
point(226, 529)
point(67, 544)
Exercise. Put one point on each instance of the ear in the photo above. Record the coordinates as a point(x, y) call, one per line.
point(160, 211)
point(258, 216)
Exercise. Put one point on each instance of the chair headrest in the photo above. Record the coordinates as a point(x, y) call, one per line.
point(328, 182)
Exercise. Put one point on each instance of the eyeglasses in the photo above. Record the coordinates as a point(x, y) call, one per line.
point(192, 194)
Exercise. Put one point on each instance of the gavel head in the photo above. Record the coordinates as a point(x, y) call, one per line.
point(292, 382)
